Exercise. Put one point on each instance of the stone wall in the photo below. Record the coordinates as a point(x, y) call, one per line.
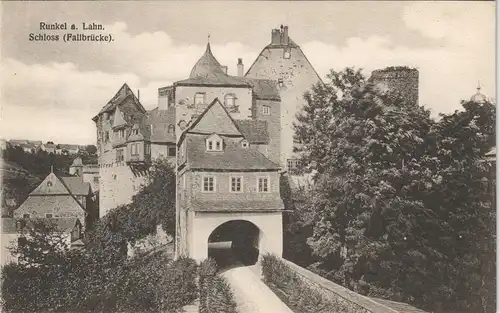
point(354, 302)
point(271, 150)
point(118, 183)
point(402, 81)
point(297, 75)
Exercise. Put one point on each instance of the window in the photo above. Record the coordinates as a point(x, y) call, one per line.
point(49, 184)
point(244, 144)
point(48, 215)
point(292, 165)
point(263, 184)
point(266, 110)
point(280, 82)
point(96, 179)
point(134, 149)
point(171, 129)
point(135, 131)
point(199, 98)
point(286, 53)
point(236, 184)
point(171, 151)
point(106, 136)
point(26, 215)
point(214, 144)
point(230, 100)
point(208, 184)
point(119, 155)
point(121, 134)
point(147, 148)
point(151, 129)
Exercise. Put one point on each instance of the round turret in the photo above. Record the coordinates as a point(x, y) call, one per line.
point(207, 65)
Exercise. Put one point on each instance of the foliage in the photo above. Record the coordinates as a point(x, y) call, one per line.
point(155, 202)
point(398, 199)
point(53, 278)
point(91, 149)
point(215, 294)
point(299, 295)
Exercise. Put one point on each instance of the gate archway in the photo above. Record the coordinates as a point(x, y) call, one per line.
point(236, 242)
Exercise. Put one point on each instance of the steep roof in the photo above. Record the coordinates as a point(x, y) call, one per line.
point(263, 89)
point(123, 93)
point(119, 120)
point(208, 71)
point(49, 203)
point(214, 119)
point(255, 131)
point(51, 185)
point(76, 185)
point(62, 224)
point(207, 65)
point(160, 120)
point(233, 157)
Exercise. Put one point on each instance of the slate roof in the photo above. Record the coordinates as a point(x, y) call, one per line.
point(263, 89)
point(160, 119)
point(123, 93)
point(56, 187)
point(255, 131)
point(76, 185)
point(62, 224)
point(51, 203)
point(218, 79)
point(233, 157)
point(233, 205)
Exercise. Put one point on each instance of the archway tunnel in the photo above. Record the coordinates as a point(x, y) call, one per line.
point(234, 243)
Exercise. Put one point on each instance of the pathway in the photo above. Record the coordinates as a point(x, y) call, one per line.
point(251, 294)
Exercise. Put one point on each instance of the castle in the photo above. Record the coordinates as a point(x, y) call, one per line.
point(230, 138)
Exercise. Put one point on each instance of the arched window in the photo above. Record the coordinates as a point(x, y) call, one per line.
point(171, 129)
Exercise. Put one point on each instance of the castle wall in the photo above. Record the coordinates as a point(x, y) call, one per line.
point(298, 76)
point(273, 127)
point(401, 81)
point(117, 185)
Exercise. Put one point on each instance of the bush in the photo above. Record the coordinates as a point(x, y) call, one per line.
point(300, 296)
point(215, 294)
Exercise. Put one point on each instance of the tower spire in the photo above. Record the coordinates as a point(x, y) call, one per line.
point(478, 85)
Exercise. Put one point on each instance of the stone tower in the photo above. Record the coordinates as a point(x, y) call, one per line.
point(284, 62)
point(400, 80)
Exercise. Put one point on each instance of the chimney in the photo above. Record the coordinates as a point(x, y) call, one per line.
point(240, 67)
point(224, 68)
point(275, 37)
point(285, 36)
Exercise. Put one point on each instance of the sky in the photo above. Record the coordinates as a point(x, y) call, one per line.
point(51, 90)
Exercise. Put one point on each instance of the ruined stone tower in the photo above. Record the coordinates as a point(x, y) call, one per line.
point(400, 80)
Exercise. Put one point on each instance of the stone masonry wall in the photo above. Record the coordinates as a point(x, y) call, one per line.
point(117, 184)
point(402, 81)
point(355, 302)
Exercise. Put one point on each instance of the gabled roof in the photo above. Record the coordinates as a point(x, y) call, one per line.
point(123, 93)
point(255, 131)
point(62, 224)
point(222, 123)
point(233, 156)
point(51, 185)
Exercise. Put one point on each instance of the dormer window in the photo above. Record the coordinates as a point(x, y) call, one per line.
point(214, 143)
point(280, 82)
point(199, 98)
point(266, 110)
point(171, 129)
point(286, 53)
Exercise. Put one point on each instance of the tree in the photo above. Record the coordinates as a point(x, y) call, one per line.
point(381, 165)
point(91, 149)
